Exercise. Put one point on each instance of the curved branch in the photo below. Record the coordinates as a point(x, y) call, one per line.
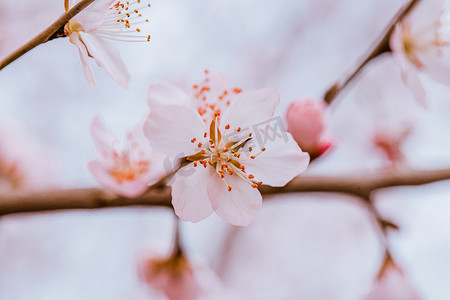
point(381, 46)
point(47, 34)
point(94, 198)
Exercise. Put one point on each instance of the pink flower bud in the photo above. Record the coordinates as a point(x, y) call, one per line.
point(306, 122)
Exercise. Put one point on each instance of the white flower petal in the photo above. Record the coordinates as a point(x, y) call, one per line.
point(106, 57)
point(280, 163)
point(171, 128)
point(189, 193)
point(93, 15)
point(75, 39)
point(251, 108)
point(103, 140)
point(411, 78)
point(164, 93)
point(238, 206)
point(437, 64)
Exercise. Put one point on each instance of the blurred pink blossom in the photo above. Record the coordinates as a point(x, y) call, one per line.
point(24, 164)
point(306, 119)
point(393, 285)
point(421, 42)
point(106, 19)
point(390, 143)
point(177, 278)
point(130, 171)
point(228, 160)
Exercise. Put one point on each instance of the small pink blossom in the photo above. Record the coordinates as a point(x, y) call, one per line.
point(390, 143)
point(393, 285)
point(106, 19)
point(130, 171)
point(421, 43)
point(177, 278)
point(306, 120)
point(228, 161)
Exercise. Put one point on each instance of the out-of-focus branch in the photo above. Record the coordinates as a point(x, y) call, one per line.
point(47, 34)
point(360, 185)
point(381, 46)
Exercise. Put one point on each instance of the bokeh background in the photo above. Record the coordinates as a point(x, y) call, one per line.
point(301, 246)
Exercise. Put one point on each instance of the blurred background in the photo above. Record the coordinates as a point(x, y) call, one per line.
point(301, 246)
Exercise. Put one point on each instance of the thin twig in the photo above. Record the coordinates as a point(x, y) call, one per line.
point(381, 46)
point(47, 33)
point(360, 185)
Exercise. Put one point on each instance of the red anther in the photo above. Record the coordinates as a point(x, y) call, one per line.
point(220, 97)
point(227, 126)
point(193, 140)
point(206, 71)
point(237, 91)
point(229, 188)
point(195, 86)
point(203, 151)
point(252, 157)
point(210, 162)
point(259, 182)
point(251, 176)
point(263, 149)
point(225, 92)
point(242, 168)
point(199, 144)
point(229, 159)
point(250, 149)
point(239, 129)
point(255, 185)
point(205, 134)
point(250, 134)
point(195, 163)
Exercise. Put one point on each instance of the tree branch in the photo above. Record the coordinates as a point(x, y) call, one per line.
point(47, 34)
point(381, 46)
point(94, 198)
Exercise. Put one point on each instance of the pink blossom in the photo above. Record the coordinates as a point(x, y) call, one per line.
point(177, 278)
point(306, 120)
point(127, 172)
point(228, 157)
point(421, 43)
point(24, 163)
point(106, 19)
point(393, 285)
point(390, 143)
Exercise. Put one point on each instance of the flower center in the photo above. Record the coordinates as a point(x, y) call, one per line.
point(124, 169)
point(72, 26)
point(224, 155)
